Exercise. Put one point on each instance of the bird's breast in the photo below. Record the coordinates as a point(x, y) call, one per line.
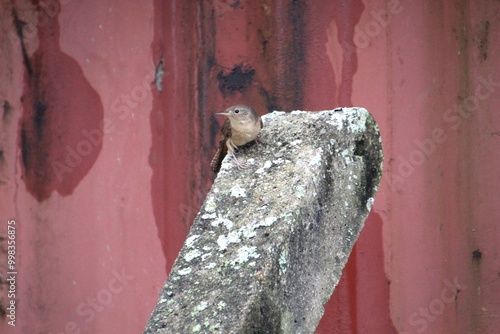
point(243, 133)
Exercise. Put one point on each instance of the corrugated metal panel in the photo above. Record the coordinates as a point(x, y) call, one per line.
point(95, 246)
point(87, 245)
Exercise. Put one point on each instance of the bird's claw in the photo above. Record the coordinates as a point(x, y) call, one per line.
point(259, 140)
point(239, 164)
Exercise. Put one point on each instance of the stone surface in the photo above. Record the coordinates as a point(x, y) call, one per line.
point(270, 242)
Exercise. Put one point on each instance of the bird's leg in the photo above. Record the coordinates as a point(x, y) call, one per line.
point(239, 164)
point(232, 148)
point(259, 140)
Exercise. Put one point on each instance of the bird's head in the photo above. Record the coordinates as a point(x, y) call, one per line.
point(240, 113)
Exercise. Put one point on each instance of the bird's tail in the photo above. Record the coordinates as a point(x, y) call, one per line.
point(218, 157)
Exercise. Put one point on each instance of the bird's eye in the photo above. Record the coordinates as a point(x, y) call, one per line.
point(236, 111)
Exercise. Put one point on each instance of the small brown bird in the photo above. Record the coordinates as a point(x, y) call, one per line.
point(241, 127)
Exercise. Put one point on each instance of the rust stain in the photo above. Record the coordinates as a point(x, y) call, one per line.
point(483, 40)
point(293, 56)
point(19, 24)
point(61, 126)
point(171, 132)
point(7, 111)
point(477, 255)
point(239, 79)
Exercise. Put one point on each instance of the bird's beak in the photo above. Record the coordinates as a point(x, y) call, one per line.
point(225, 113)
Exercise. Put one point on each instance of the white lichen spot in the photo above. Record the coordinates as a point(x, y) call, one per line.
point(226, 222)
point(191, 239)
point(238, 191)
point(296, 142)
point(357, 120)
point(208, 215)
point(207, 248)
point(369, 203)
point(192, 254)
point(211, 265)
point(245, 253)
point(268, 221)
point(250, 161)
point(210, 205)
point(201, 306)
point(233, 237)
point(316, 158)
point(196, 328)
point(185, 271)
point(279, 161)
point(300, 191)
point(248, 231)
point(221, 305)
point(283, 261)
point(336, 120)
point(267, 164)
point(222, 242)
point(346, 155)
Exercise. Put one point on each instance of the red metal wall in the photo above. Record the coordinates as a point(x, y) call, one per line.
point(103, 173)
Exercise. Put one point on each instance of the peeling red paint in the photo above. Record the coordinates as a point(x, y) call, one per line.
point(360, 303)
point(62, 124)
point(174, 203)
point(85, 257)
